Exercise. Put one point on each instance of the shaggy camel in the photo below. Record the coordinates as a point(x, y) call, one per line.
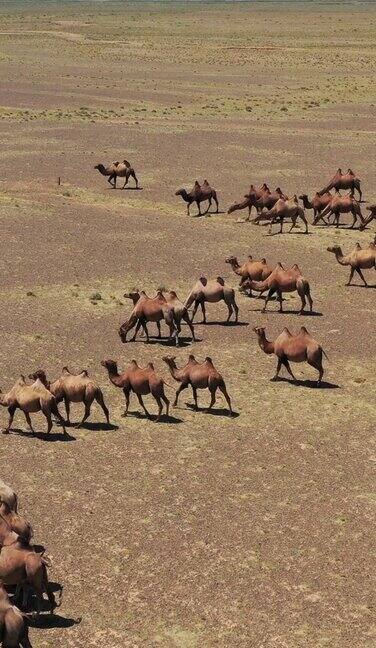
point(8, 496)
point(212, 292)
point(261, 198)
point(250, 269)
point(21, 565)
point(358, 259)
point(199, 194)
point(280, 281)
point(11, 521)
point(13, 624)
point(156, 309)
point(140, 381)
point(118, 170)
point(74, 388)
point(318, 203)
point(30, 398)
point(343, 181)
point(342, 205)
point(284, 209)
point(301, 347)
point(200, 376)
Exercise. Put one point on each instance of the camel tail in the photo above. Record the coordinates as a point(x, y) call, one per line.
point(326, 356)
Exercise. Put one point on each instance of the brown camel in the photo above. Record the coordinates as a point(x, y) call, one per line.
point(261, 198)
point(212, 292)
point(281, 281)
point(156, 309)
point(13, 624)
point(8, 496)
point(74, 388)
point(358, 259)
point(200, 376)
point(199, 194)
point(30, 398)
point(344, 181)
point(250, 269)
point(140, 381)
point(301, 347)
point(318, 203)
point(342, 205)
point(11, 521)
point(371, 217)
point(21, 565)
point(118, 170)
point(286, 209)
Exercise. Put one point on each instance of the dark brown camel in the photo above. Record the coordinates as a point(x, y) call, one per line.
point(261, 198)
point(318, 203)
point(199, 194)
point(343, 181)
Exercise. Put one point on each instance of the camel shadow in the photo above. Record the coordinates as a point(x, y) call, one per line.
point(309, 384)
point(283, 233)
point(221, 323)
point(360, 286)
point(288, 312)
point(131, 188)
point(43, 436)
point(219, 411)
point(96, 427)
point(153, 417)
point(183, 342)
point(53, 621)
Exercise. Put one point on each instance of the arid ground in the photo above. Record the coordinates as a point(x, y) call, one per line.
point(204, 530)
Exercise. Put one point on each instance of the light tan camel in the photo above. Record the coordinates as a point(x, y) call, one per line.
point(199, 194)
point(200, 376)
point(30, 398)
point(284, 210)
point(147, 309)
point(358, 259)
point(281, 281)
point(342, 205)
point(318, 203)
point(21, 565)
point(140, 381)
point(250, 269)
point(8, 496)
point(212, 292)
point(301, 347)
point(74, 388)
point(343, 181)
point(118, 170)
point(13, 624)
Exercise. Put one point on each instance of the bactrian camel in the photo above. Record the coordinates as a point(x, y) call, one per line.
point(286, 209)
point(301, 347)
point(342, 205)
point(212, 292)
point(343, 181)
point(140, 381)
point(11, 521)
point(318, 203)
point(74, 388)
point(31, 398)
point(199, 376)
point(8, 496)
point(250, 269)
point(358, 259)
point(118, 170)
point(261, 198)
point(199, 194)
point(281, 281)
point(13, 624)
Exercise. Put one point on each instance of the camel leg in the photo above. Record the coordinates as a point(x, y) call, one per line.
point(199, 208)
point(160, 408)
point(166, 402)
point(138, 326)
point(135, 178)
point(87, 412)
point(203, 312)
point(268, 296)
point(318, 366)
point(142, 405)
point(229, 312)
point(194, 391)
point(187, 319)
point(279, 365)
point(159, 329)
point(100, 400)
point(354, 219)
point(28, 420)
point(188, 206)
point(195, 307)
point(302, 216)
point(178, 392)
point(209, 205)
point(67, 409)
point(351, 276)
point(24, 640)
point(11, 411)
point(47, 414)
point(212, 401)
point(280, 299)
point(126, 181)
point(111, 179)
point(217, 204)
point(358, 270)
point(223, 389)
point(126, 394)
point(236, 309)
point(286, 364)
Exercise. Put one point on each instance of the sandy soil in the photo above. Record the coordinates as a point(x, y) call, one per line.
point(255, 531)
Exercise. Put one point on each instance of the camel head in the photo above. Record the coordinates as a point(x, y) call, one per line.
point(40, 374)
point(336, 249)
point(232, 260)
point(23, 528)
point(233, 207)
point(260, 331)
point(183, 193)
point(133, 295)
point(110, 365)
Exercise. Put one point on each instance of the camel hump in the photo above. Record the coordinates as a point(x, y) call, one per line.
point(287, 331)
point(206, 183)
point(303, 330)
point(208, 360)
point(350, 172)
point(191, 358)
point(279, 265)
point(116, 163)
point(150, 365)
point(127, 164)
point(84, 372)
point(263, 260)
point(173, 294)
point(250, 257)
point(65, 370)
point(295, 267)
point(197, 184)
point(134, 363)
